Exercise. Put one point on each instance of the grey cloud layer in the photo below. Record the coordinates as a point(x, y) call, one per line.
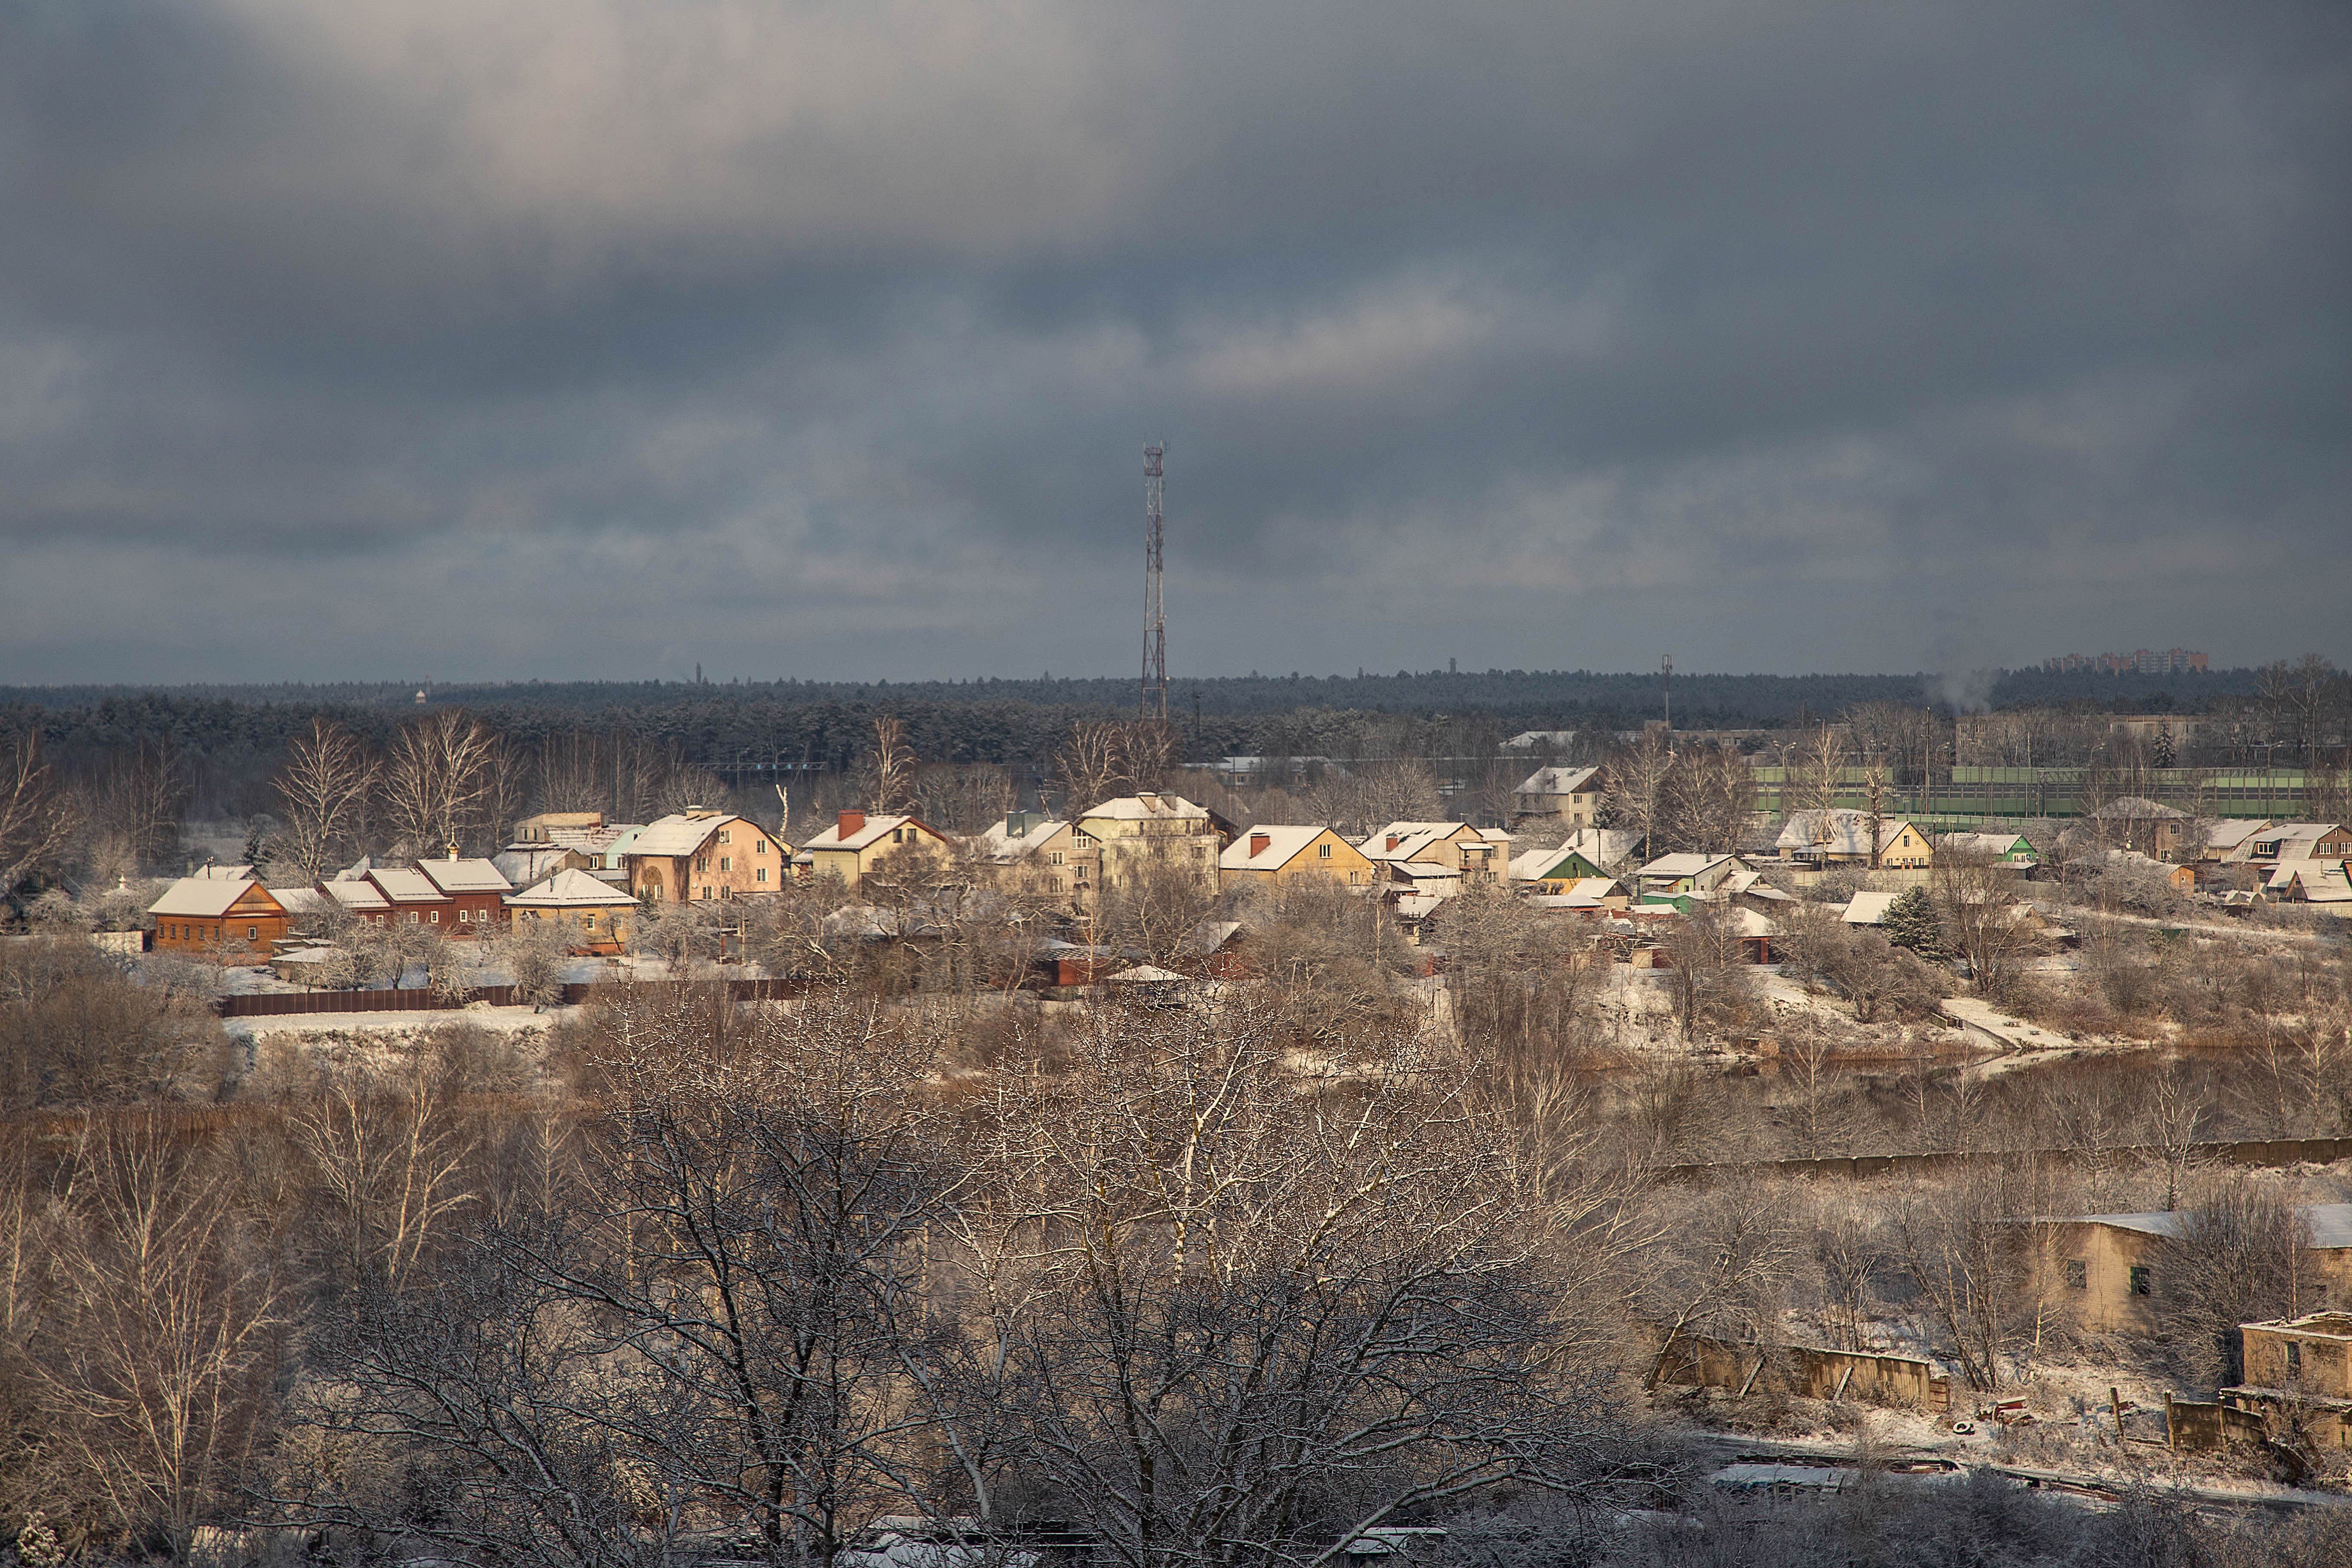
point(819, 340)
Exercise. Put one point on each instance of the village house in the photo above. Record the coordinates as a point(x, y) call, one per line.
point(2107, 1270)
point(1817, 840)
point(857, 842)
point(352, 893)
point(1476, 856)
point(220, 908)
point(1571, 795)
point(411, 899)
point(476, 891)
point(2135, 822)
point(2013, 850)
point(1587, 896)
point(2230, 839)
point(2290, 841)
point(1268, 853)
point(1670, 877)
point(542, 828)
point(593, 915)
point(1153, 829)
point(1043, 855)
point(696, 857)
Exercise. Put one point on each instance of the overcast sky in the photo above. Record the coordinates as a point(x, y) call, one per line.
point(603, 338)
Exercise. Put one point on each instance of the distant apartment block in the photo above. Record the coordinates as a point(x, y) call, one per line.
point(2142, 661)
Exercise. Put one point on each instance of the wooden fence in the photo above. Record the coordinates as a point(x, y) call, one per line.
point(416, 999)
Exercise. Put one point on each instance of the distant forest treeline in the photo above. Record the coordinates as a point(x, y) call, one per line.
point(827, 723)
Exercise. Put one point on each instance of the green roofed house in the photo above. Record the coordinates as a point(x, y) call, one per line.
point(2013, 849)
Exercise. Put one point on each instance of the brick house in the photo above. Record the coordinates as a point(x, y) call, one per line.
point(701, 856)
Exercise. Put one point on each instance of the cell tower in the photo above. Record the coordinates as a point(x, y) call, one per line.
point(1155, 620)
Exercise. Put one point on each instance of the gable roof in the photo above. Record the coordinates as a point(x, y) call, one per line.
point(355, 894)
point(684, 832)
point(1991, 843)
point(867, 835)
point(1284, 844)
point(1414, 837)
point(2233, 832)
point(2295, 840)
point(1558, 781)
point(569, 889)
point(205, 898)
point(465, 875)
point(404, 885)
point(1688, 863)
point(1839, 832)
point(299, 900)
point(1154, 806)
point(1868, 908)
point(998, 843)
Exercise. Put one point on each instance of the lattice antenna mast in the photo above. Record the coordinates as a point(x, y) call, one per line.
point(1154, 704)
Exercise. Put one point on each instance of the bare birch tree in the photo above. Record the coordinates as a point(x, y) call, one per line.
point(324, 787)
point(37, 819)
point(438, 780)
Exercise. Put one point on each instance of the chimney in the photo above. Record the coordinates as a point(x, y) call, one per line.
point(852, 822)
point(453, 852)
point(1394, 840)
point(1258, 841)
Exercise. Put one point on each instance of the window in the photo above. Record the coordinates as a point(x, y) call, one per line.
point(437, 917)
point(726, 836)
point(411, 918)
point(1054, 856)
point(706, 890)
point(703, 862)
point(465, 916)
point(1323, 851)
point(759, 874)
point(2078, 1277)
point(2140, 1281)
point(588, 922)
point(253, 933)
point(727, 862)
point(759, 847)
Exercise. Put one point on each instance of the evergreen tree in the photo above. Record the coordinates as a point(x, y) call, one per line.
point(1911, 923)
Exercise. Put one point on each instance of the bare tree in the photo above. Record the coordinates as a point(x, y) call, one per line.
point(1710, 801)
point(2240, 1255)
point(1988, 928)
point(1635, 799)
point(1160, 896)
point(325, 786)
point(387, 1158)
point(438, 780)
point(892, 765)
point(137, 801)
point(37, 819)
point(157, 1354)
point(1962, 1260)
point(1710, 977)
point(1088, 764)
point(1236, 1325)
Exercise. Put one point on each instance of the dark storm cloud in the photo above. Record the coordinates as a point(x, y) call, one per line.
point(801, 339)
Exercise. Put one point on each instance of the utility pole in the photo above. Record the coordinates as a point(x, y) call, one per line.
point(1154, 702)
point(1667, 665)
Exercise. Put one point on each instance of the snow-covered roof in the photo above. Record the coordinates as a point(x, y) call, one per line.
point(359, 897)
point(869, 833)
point(405, 885)
point(681, 833)
point(1868, 908)
point(1144, 974)
point(1160, 806)
point(570, 888)
point(1282, 844)
point(1559, 781)
point(1836, 832)
point(202, 898)
point(299, 900)
point(1209, 936)
point(997, 842)
point(1688, 863)
point(1528, 740)
point(2295, 840)
point(2329, 1225)
point(465, 875)
point(1989, 843)
point(2233, 832)
point(221, 874)
point(1415, 838)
